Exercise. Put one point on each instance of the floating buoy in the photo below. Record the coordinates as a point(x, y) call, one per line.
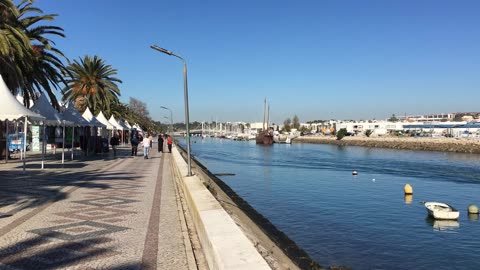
point(408, 189)
point(472, 209)
point(354, 173)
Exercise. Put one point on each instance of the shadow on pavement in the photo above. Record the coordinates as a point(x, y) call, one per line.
point(34, 188)
point(41, 253)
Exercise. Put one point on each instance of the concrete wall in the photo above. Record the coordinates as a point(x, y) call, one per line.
point(224, 244)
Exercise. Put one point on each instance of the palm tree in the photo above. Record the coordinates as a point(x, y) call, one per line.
point(91, 79)
point(28, 61)
point(46, 69)
point(14, 45)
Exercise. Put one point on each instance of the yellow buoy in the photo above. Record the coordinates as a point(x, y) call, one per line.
point(408, 189)
point(472, 209)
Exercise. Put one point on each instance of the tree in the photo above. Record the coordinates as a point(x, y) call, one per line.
point(368, 132)
point(341, 133)
point(393, 118)
point(91, 79)
point(296, 122)
point(287, 125)
point(28, 61)
point(138, 107)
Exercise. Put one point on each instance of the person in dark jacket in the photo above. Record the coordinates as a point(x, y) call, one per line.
point(114, 141)
point(134, 143)
point(160, 143)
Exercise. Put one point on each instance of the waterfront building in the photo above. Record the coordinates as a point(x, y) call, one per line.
point(378, 127)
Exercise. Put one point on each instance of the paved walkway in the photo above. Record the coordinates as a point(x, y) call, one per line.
point(100, 213)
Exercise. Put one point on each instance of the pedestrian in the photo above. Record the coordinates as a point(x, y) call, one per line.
point(169, 143)
point(134, 143)
point(151, 141)
point(160, 143)
point(146, 147)
point(114, 141)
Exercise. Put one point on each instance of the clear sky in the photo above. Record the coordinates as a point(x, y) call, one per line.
point(316, 59)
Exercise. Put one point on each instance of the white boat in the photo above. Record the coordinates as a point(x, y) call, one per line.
point(439, 210)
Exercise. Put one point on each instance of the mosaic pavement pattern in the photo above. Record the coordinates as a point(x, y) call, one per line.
point(98, 220)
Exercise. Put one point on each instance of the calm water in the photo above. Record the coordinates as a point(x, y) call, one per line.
point(364, 221)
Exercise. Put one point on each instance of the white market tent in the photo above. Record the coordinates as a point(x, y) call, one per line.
point(115, 123)
point(118, 127)
point(11, 109)
point(126, 124)
point(88, 115)
point(71, 114)
point(102, 119)
point(52, 118)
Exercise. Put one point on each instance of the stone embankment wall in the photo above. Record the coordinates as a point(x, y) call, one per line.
point(460, 145)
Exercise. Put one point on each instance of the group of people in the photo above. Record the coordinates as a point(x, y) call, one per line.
point(147, 143)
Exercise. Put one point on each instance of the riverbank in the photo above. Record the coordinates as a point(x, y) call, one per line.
point(459, 145)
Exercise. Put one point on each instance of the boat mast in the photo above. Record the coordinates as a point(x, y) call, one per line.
point(264, 109)
point(268, 115)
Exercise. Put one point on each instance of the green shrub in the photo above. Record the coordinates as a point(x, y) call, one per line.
point(368, 132)
point(341, 133)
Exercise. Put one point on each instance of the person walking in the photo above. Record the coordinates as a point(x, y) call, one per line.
point(114, 141)
point(160, 143)
point(134, 143)
point(151, 141)
point(146, 147)
point(169, 143)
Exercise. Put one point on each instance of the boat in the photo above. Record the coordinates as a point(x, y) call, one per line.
point(439, 210)
point(282, 138)
point(265, 136)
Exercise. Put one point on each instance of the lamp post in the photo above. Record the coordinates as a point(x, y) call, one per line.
point(185, 92)
point(171, 118)
point(171, 127)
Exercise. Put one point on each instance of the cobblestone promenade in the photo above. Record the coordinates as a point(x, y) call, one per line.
point(100, 213)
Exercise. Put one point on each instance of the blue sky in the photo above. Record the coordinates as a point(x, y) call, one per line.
point(315, 59)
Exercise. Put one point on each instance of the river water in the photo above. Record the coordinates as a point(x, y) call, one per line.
point(364, 221)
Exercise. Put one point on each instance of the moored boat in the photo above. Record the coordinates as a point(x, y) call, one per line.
point(266, 135)
point(439, 210)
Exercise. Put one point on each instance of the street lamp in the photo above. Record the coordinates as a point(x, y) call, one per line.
point(170, 128)
point(171, 117)
point(185, 92)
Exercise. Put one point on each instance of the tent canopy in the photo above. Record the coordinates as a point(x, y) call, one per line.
point(88, 115)
point(115, 123)
point(102, 119)
point(71, 114)
point(10, 108)
point(126, 124)
point(45, 109)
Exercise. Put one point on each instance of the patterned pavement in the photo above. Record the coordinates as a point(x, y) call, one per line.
point(103, 213)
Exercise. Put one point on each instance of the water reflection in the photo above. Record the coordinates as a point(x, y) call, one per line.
point(443, 225)
point(408, 198)
point(473, 217)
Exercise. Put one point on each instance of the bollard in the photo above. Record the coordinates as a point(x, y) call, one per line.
point(408, 189)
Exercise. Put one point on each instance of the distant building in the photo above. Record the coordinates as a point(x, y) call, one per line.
point(378, 127)
point(439, 117)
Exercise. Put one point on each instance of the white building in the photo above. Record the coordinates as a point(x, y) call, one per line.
point(377, 127)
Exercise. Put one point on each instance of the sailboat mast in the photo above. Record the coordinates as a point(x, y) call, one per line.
point(264, 109)
point(268, 115)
